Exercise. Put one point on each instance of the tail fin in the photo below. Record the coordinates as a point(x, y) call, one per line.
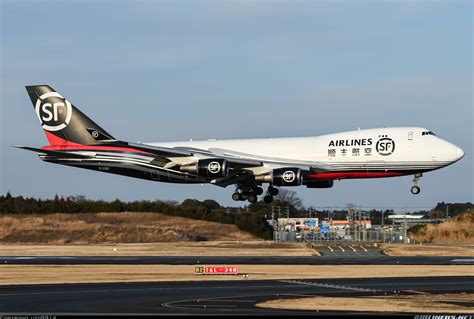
point(62, 122)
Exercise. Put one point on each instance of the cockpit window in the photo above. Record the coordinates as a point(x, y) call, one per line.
point(428, 133)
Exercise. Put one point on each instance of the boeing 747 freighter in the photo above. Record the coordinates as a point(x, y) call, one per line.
point(315, 162)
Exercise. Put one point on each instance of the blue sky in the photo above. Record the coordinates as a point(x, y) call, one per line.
point(172, 70)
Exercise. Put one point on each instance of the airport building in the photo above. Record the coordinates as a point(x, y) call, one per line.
point(297, 224)
point(338, 224)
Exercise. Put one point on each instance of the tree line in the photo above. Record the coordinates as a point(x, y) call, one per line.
point(252, 218)
point(208, 210)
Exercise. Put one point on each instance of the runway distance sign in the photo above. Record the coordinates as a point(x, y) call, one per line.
point(216, 270)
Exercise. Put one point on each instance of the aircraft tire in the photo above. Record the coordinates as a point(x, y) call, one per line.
point(252, 198)
point(236, 196)
point(273, 191)
point(415, 190)
point(268, 199)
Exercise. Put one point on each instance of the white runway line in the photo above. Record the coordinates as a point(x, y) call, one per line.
point(365, 249)
point(307, 283)
point(462, 261)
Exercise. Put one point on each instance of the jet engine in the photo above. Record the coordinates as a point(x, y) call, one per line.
point(210, 167)
point(287, 176)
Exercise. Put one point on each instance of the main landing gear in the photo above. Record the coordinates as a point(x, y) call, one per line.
point(251, 193)
point(415, 189)
point(247, 193)
point(271, 191)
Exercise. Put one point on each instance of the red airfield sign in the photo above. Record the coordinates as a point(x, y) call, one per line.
point(216, 270)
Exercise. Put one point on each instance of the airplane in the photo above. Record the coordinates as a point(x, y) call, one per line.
point(315, 162)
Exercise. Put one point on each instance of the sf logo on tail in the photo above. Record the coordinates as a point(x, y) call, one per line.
point(54, 112)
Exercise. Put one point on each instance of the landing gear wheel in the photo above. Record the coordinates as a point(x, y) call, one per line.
point(258, 190)
point(236, 196)
point(272, 191)
point(268, 199)
point(252, 198)
point(415, 190)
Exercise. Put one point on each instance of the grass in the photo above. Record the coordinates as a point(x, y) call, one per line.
point(427, 250)
point(420, 303)
point(459, 229)
point(103, 228)
point(209, 248)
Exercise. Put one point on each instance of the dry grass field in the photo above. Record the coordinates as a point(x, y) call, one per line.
point(57, 274)
point(103, 228)
point(422, 303)
point(459, 229)
point(427, 250)
point(209, 248)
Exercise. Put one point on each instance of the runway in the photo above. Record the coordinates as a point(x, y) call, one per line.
point(207, 297)
point(250, 260)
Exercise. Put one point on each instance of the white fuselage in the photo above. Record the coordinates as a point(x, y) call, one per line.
point(401, 149)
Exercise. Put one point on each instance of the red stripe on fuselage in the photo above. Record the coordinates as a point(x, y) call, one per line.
point(59, 144)
point(348, 175)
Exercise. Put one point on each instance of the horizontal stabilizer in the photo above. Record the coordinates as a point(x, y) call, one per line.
point(53, 153)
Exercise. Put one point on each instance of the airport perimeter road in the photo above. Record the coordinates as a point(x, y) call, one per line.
point(250, 260)
point(223, 297)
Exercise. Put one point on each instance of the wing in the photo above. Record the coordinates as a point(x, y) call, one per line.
point(180, 152)
point(244, 167)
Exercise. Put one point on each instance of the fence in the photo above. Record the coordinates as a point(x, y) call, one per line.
point(346, 235)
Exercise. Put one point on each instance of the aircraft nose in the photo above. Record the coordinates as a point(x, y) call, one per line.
point(459, 153)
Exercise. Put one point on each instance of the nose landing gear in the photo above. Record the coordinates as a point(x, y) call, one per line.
point(415, 189)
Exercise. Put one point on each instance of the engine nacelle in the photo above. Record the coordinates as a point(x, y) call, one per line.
point(287, 176)
point(319, 184)
point(210, 167)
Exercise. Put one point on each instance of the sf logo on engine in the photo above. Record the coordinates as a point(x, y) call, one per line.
point(54, 112)
point(385, 146)
point(289, 176)
point(214, 167)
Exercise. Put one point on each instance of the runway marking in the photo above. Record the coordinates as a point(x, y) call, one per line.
point(416, 292)
point(209, 306)
point(365, 249)
point(299, 295)
point(216, 300)
point(170, 304)
point(307, 283)
point(462, 260)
